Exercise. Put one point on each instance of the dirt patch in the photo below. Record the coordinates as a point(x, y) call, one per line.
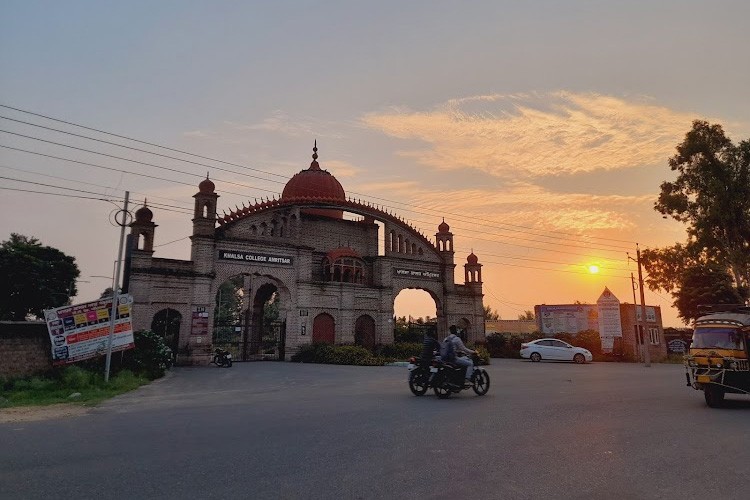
point(36, 413)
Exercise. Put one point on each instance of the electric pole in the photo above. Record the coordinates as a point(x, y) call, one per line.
point(642, 322)
point(116, 285)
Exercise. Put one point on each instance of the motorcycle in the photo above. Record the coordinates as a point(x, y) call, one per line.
point(445, 378)
point(448, 378)
point(221, 357)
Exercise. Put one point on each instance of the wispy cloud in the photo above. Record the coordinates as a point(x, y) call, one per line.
point(531, 135)
point(521, 204)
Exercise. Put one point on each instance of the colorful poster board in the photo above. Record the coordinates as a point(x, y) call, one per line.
point(81, 331)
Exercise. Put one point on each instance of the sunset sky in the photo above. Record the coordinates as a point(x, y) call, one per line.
point(540, 130)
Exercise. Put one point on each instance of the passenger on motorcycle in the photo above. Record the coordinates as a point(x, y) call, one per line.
point(459, 347)
point(429, 346)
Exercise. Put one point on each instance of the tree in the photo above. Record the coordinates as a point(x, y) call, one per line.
point(34, 278)
point(490, 314)
point(711, 196)
point(526, 316)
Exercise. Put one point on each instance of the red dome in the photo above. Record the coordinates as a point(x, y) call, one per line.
point(443, 227)
point(315, 183)
point(339, 253)
point(472, 259)
point(206, 186)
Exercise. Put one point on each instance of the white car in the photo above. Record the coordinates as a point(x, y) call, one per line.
point(554, 350)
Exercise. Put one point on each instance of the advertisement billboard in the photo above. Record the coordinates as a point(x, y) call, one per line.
point(81, 331)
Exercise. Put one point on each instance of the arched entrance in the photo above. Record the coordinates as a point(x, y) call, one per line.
point(415, 310)
point(167, 324)
point(267, 329)
point(364, 332)
point(229, 316)
point(324, 329)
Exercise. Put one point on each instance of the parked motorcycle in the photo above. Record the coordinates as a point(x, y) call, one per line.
point(221, 357)
point(448, 378)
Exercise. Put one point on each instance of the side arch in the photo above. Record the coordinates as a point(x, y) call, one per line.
point(167, 324)
point(324, 329)
point(364, 332)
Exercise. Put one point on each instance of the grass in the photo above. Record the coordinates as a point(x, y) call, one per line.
point(70, 385)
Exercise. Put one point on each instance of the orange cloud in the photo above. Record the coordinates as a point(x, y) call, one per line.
point(531, 135)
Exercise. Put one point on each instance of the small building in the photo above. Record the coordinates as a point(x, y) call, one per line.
point(616, 322)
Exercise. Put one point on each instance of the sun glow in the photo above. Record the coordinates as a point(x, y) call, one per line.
point(593, 269)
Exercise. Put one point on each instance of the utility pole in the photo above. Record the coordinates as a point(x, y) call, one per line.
point(642, 322)
point(646, 344)
point(637, 346)
point(116, 285)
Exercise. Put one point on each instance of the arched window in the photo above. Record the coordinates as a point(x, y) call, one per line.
point(344, 270)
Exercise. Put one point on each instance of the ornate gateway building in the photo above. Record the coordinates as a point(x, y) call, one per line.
point(311, 266)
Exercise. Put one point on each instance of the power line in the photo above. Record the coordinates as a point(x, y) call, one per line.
point(261, 189)
point(519, 228)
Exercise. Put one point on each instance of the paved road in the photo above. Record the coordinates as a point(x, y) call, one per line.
point(283, 430)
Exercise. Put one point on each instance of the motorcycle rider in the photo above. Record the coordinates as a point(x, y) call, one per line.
point(459, 347)
point(429, 345)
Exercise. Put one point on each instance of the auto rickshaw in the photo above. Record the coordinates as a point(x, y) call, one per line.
point(717, 362)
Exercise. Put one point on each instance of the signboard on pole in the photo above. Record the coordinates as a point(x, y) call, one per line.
point(610, 324)
point(80, 331)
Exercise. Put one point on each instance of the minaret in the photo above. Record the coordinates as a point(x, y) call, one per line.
point(444, 239)
point(204, 218)
point(473, 273)
point(143, 229)
point(204, 223)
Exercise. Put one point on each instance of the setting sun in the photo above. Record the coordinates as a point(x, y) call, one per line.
point(593, 269)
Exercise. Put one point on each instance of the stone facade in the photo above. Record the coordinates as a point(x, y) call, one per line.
point(24, 348)
point(331, 277)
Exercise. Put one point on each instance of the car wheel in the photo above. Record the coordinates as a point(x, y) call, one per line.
point(535, 356)
point(578, 358)
point(714, 396)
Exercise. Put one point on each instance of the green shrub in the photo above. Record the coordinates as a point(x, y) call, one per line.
point(483, 353)
point(75, 377)
point(151, 356)
point(337, 355)
point(400, 351)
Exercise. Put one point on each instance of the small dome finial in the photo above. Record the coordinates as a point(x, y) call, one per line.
point(314, 165)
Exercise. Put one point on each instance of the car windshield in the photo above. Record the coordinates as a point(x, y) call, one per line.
point(717, 338)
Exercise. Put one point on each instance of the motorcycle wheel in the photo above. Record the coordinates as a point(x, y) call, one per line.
point(481, 381)
point(442, 391)
point(418, 382)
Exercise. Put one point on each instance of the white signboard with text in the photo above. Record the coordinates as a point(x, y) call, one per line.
point(81, 331)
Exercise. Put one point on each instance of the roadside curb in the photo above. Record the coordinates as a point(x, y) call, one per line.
point(398, 363)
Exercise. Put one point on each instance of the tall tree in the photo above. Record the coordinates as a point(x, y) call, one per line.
point(34, 278)
point(526, 316)
point(491, 314)
point(711, 196)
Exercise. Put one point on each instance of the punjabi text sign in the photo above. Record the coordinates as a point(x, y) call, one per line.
point(416, 273)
